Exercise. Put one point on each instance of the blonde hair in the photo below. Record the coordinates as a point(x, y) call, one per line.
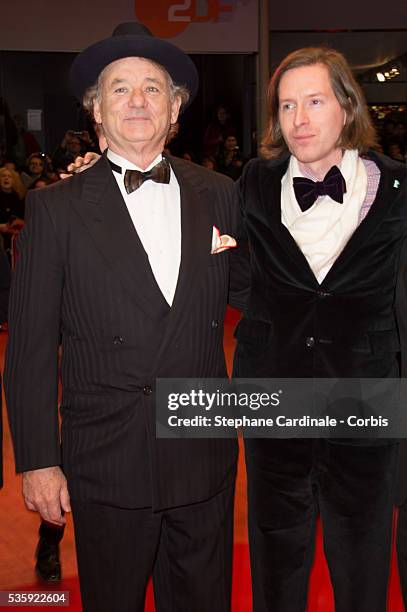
point(358, 131)
point(17, 184)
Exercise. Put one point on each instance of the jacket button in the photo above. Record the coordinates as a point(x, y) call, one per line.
point(147, 390)
point(310, 342)
point(324, 340)
point(323, 294)
point(118, 340)
point(214, 324)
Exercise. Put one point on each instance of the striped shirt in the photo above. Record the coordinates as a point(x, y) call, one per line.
point(373, 180)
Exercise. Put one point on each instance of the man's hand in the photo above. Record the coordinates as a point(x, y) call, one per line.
point(81, 163)
point(45, 491)
point(16, 224)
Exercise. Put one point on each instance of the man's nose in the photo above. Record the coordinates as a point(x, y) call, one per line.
point(301, 115)
point(138, 98)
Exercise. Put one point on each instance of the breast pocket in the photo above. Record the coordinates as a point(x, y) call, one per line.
point(219, 259)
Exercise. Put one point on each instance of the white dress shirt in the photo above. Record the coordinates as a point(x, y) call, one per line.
point(323, 230)
point(155, 209)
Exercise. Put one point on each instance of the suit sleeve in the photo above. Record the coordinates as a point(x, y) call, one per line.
point(401, 315)
point(4, 286)
point(240, 277)
point(31, 372)
point(4, 294)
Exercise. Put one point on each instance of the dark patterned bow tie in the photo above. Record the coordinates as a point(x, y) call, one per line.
point(307, 191)
point(133, 179)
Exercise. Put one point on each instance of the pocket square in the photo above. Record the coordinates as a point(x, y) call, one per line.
point(221, 243)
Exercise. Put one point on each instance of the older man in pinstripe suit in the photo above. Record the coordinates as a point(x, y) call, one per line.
point(121, 266)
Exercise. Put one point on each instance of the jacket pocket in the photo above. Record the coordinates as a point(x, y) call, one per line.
point(385, 341)
point(219, 259)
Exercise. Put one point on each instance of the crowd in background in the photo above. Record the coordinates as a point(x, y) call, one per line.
point(393, 140)
point(23, 166)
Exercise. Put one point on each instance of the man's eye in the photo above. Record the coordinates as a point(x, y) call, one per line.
point(287, 106)
point(120, 90)
point(151, 88)
point(315, 101)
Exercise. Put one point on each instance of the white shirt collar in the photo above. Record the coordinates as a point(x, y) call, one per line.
point(307, 173)
point(125, 164)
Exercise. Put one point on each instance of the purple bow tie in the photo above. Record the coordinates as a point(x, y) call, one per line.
point(307, 191)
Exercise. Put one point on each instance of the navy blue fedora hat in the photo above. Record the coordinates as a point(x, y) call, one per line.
point(132, 39)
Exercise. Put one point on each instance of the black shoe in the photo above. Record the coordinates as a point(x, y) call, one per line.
point(48, 565)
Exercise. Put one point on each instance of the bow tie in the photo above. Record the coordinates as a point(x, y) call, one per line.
point(307, 191)
point(133, 179)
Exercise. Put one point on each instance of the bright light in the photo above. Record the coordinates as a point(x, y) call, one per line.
point(380, 77)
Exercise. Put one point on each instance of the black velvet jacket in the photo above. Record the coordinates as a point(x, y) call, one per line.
point(353, 323)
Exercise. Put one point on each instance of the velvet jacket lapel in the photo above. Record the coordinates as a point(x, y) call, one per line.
point(270, 181)
point(386, 194)
point(270, 193)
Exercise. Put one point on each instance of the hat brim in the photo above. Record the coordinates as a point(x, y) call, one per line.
point(88, 65)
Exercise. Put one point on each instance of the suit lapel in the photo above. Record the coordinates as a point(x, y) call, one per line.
point(104, 212)
point(390, 175)
point(196, 232)
point(270, 186)
point(196, 240)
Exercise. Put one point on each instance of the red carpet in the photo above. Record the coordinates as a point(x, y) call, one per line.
point(320, 592)
point(320, 595)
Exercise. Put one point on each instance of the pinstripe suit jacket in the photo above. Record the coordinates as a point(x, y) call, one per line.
point(83, 275)
point(4, 295)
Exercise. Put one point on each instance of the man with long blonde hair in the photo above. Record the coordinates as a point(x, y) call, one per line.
point(326, 218)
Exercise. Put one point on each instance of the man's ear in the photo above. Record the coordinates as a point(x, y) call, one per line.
point(175, 106)
point(96, 112)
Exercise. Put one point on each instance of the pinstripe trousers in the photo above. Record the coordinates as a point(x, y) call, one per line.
point(188, 550)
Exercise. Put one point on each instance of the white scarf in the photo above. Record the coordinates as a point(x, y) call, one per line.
point(323, 230)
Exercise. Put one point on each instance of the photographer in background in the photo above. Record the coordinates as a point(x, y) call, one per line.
point(34, 169)
point(230, 161)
